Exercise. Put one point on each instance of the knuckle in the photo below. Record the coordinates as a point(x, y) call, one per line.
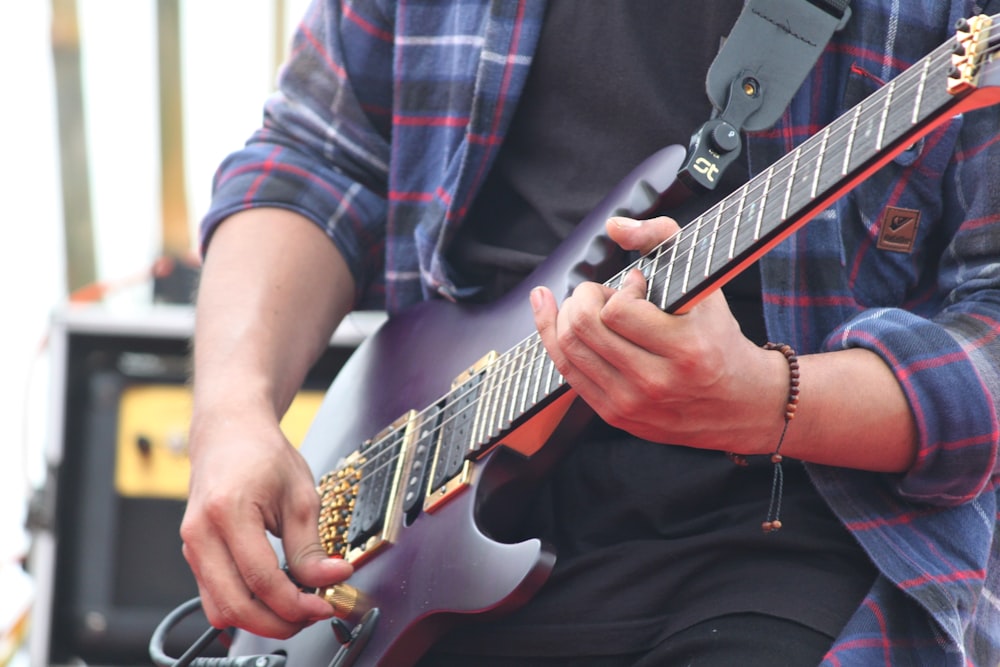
point(226, 615)
point(216, 508)
point(258, 581)
point(578, 321)
point(653, 386)
point(613, 313)
point(628, 406)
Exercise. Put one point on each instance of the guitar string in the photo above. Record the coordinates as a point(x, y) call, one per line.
point(532, 343)
point(905, 83)
point(717, 212)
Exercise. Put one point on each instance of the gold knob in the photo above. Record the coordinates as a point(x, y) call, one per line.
point(347, 601)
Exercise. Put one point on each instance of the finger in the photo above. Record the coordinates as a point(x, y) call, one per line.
point(634, 318)
point(260, 570)
point(307, 560)
point(546, 313)
point(570, 346)
point(226, 599)
point(640, 235)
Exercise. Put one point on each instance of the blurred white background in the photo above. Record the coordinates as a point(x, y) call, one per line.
point(229, 53)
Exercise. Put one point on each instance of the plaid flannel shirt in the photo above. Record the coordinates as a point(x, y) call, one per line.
point(389, 115)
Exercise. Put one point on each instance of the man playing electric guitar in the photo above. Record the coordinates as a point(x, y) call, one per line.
point(443, 150)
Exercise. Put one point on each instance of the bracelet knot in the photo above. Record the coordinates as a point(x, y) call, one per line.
point(773, 521)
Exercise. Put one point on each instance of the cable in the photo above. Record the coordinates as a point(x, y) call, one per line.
point(190, 656)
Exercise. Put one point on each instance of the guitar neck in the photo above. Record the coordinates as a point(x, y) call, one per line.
point(713, 248)
point(719, 244)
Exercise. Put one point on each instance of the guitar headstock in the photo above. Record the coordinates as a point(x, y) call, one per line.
point(975, 64)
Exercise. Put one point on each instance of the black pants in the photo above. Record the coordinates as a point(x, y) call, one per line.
point(747, 640)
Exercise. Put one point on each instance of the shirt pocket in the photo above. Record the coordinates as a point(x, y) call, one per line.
point(882, 268)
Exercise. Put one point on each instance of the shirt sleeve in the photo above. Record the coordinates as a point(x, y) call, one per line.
point(948, 362)
point(323, 148)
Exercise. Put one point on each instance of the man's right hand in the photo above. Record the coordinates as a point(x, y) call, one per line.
point(247, 479)
point(272, 290)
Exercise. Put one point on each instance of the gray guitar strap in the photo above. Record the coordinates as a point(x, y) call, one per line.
point(761, 65)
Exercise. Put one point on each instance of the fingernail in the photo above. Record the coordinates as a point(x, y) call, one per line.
point(536, 299)
point(626, 223)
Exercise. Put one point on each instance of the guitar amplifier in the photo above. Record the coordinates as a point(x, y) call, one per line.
point(106, 551)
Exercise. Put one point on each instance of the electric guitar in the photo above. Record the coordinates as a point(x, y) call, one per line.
point(427, 438)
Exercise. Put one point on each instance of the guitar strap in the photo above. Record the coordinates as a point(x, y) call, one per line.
point(761, 65)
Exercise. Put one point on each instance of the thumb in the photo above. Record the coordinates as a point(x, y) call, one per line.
point(641, 235)
point(308, 561)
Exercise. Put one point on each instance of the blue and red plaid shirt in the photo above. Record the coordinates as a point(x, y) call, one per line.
point(389, 115)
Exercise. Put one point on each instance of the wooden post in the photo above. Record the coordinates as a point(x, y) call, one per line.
point(77, 215)
point(279, 36)
point(175, 233)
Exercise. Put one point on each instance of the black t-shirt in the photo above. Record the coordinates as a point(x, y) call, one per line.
point(650, 538)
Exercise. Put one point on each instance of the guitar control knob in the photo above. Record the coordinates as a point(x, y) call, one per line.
point(347, 601)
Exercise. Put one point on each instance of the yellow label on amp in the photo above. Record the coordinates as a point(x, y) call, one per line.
point(152, 454)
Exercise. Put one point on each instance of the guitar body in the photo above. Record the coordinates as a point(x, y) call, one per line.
point(453, 562)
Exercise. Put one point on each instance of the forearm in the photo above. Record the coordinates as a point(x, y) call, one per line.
point(851, 413)
point(273, 289)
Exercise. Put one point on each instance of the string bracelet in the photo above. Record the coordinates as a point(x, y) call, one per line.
point(773, 521)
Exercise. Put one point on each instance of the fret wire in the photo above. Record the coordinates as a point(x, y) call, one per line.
point(670, 270)
point(762, 203)
point(828, 170)
point(653, 271)
point(850, 140)
point(920, 90)
point(641, 265)
point(498, 415)
point(495, 397)
point(549, 382)
point(645, 266)
point(538, 366)
point(885, 115)
point(556, 380)
point(791, 182)
point(705, 250)
point(525, 364)
point(806, 177)
point(730, 213)
point(711, 245)
point(515, 389)
point(519, 398)
point(690, 260)
point(819, 162)
point(503, 401)
point(545, 375)
point(736, 223)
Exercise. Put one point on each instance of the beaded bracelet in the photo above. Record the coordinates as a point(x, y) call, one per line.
point(773, 521)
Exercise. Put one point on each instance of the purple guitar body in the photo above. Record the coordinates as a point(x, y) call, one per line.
point(444, 565)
